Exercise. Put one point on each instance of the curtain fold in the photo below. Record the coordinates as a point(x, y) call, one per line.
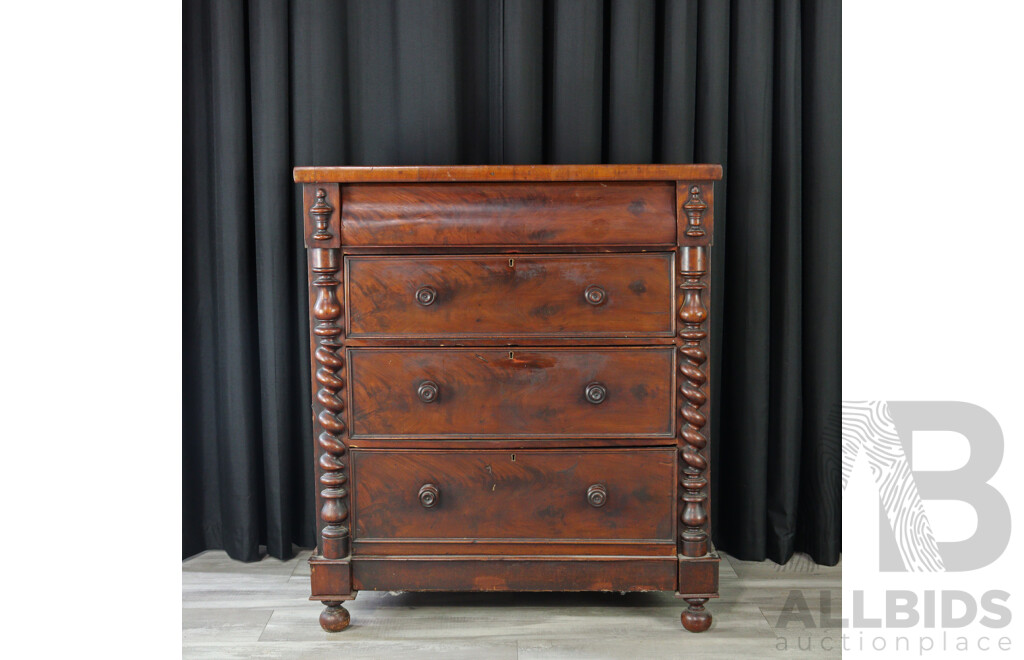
point(575, 63)
point(752, 85)
point(746, 318)
point(785, 404)
point(630, 57)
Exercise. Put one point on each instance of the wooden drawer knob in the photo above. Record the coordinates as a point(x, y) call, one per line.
point(595, 393)
point(426, 295)
point(428, 391)
point(595, 295)
point(597, 495)
point(429, 495)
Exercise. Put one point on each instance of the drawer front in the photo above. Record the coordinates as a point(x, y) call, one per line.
point(525, 295)
point(465, 393)
point(508, 214)
point(559, 495)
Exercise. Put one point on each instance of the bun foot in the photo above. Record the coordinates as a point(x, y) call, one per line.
point(695, 618)
point(334, 618)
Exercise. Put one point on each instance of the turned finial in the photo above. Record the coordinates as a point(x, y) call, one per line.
point(321, 213)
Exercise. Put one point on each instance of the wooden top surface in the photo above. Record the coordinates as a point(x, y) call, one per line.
point(407, 174)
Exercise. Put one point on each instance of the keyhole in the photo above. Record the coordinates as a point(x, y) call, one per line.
point(513, 458)
point(511, 263)
point(511, 355)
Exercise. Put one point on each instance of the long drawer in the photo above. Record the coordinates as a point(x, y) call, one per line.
point(467, 393)
point(596, 295)
point(632, 213)
point(624, 495)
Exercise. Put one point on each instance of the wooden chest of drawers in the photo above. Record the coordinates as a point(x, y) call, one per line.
point(510, 379)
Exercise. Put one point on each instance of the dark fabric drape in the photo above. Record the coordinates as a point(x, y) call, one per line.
point(750, 84)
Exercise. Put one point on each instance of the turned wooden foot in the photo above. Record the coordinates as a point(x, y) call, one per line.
point(695, 617)
point(334, 618)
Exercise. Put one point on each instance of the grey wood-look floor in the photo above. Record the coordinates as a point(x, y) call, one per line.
point(236, 610)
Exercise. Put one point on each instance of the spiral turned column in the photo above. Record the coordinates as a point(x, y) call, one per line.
point(693, 356)
point(330, 340)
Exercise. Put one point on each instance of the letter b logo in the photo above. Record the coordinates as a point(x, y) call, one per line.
point(883, 431)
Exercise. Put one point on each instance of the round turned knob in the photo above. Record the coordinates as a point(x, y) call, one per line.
point(595, 393)
point(597, 495)
point(595, 295)
point(426, 295)
point(428, 391)
point(429, 495)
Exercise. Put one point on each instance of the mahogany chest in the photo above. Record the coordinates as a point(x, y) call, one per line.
point(510, 379)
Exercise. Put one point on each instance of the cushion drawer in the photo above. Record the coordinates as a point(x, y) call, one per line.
point(509, 494)
point(523, 295)
point(508, 214)
point(523, 392)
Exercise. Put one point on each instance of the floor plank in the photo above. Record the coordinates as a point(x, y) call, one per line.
point(199, 625)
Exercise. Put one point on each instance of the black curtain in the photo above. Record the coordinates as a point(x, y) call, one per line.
point(751, 84)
